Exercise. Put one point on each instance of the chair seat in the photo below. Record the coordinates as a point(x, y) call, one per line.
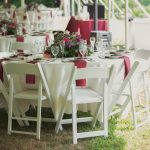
point(85, 95)
point(29, 94)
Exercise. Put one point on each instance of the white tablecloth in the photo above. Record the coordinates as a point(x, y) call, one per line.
point(57, 75)
point(6, 41)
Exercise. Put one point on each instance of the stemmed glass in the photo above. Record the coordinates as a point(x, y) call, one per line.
point(62, 48)
point(19, 29)
point(100, 48)
point(92, 42)
point(83, 48)
point(4, 29)
point(55, 50)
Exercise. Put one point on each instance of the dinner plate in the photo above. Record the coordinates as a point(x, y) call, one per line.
point(113, 57)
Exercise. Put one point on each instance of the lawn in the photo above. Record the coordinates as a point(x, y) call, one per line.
point(121, 137)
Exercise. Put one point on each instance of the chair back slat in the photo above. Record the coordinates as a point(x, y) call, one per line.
point(92, 72)
point(21, 68)
point(142, 54)
point(22, 46)
point(123, 85)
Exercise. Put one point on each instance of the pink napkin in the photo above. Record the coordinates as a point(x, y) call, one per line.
point(47, 39)
point(30, 78)
point(80, 64)
point(127, 65)
point(19, 38)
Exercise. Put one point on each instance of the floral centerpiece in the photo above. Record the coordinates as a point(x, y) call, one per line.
point(70, 43)
point(10, 25)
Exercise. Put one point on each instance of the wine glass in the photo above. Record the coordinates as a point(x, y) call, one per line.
point(4, 29)
point(100, 48)
point(55, 50)
point(83, 48)
point(92, 42)
point(62, 48)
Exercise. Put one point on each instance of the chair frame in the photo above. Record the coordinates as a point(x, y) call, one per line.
point(130, 97)
point(16, 69)
point(91, 72)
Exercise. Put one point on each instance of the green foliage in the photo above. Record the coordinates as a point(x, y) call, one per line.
point(48, 3)
point(145, 2)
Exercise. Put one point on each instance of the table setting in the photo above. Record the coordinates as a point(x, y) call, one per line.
point(65, 48)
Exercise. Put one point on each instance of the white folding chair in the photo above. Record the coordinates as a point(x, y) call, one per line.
point(42, 21)
point(25, 47)
point(5, 100)
point(144, 55)
point(22, 18)
point(86, 96)
point(129, 89)
point(12, 69)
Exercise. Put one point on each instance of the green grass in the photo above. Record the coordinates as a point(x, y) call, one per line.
point(121, 136)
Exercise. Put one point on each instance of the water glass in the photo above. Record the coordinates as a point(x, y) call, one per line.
point(92, 42)
point(62, 48)
point(83, 48)
point(4, 29)
point(100, 48)
point(55, 50)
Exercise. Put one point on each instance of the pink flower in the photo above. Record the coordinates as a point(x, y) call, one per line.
point(65, 39)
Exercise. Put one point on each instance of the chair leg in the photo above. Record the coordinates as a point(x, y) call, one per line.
point(61, 114)
point(146, 93)
point(10, 115)
point(133, 107)
point(25, 121)
point(38, 119)
point(105, 110)
point(10, 107)
point(125, 105)
point(97, 112)
point(74, 122)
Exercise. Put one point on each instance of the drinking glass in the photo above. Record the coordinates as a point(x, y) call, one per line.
point(100, 48)
point(83, 48)
point(55, 50)
point(92, 42)
point(4, 29)
point(62, 48)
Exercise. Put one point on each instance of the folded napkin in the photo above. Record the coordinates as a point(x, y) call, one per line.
point(30, 78)
point(127, 65)
point(80, 64)
point(47, 39)
point(19, 38)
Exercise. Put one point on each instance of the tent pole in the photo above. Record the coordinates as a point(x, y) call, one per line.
point(22, 3)
point(109, 13)
point(126, 25)
point(72, 8)
point(96, 15)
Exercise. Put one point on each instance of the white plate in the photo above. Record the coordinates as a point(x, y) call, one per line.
point(113, 57)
